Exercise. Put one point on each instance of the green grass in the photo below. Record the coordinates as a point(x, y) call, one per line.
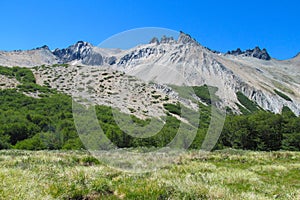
point(227, 174)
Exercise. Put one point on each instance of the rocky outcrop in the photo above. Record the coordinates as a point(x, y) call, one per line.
point(236, 52)
point(296, 57)
point(82, 51)
point(255, 53)
point(267, 100)
point(7, 82)
point(166, 40)
point(140, 53)
point(44, 47)
point(186, 39)
point(85, 53)
point(154, 41)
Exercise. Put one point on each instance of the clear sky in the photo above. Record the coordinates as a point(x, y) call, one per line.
point(219, 25)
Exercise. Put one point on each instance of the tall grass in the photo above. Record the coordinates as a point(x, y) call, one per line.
point(225, 174)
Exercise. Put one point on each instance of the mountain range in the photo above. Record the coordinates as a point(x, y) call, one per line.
point(269, 83)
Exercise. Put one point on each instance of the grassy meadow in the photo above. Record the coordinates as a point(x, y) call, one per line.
point(226, 174)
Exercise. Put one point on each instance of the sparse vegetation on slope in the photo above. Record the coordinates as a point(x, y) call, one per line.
point(284, 96)
point(247, 103)
point(207, 94)
point(23, 75)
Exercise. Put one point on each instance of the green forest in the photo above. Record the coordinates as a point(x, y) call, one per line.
point(47, 122)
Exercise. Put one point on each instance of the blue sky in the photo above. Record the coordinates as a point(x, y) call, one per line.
point(219, 25)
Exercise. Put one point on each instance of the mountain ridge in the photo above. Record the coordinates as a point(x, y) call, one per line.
point(185, 62)
point(256, 53)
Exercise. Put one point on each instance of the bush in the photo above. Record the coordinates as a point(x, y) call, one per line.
point(172, 108)
point(34, 143)
point(73, 144)
point(24, 75)
point(32, 87)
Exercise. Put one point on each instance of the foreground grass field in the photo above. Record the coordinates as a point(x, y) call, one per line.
point(219, 175)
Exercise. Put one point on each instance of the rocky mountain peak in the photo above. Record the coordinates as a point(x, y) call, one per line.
point(82, 44)
point(261, 54)
point(42, 47)
point(154, 41)
point(296, 60)
point(166, 40)
point(186, 38)
point(85, 53)
point(77, 51)
point(297, 56)
point(236, 52)
point(255, 53)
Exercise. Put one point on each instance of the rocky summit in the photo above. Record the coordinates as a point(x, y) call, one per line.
point(256, 53)
point(269, 83)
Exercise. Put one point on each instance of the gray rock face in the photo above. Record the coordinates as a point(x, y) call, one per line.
point(186, 39)
point(140, 53)
point(165, 40)
point(256, 53)
point(297, 57)
point(186, 62)
point(80, 51)
point(85, 53)
point(236, 52)
point(45, 47)
point(110, 60)
point(154, 41)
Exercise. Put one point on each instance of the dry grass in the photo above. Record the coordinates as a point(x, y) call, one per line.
point(195, 175)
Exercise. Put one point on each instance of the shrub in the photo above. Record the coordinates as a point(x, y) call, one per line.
point(172, 108)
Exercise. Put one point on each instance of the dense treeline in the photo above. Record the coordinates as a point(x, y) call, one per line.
point(262, 131)
point(30, 123)
point(35, 123)
point(47, 122)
